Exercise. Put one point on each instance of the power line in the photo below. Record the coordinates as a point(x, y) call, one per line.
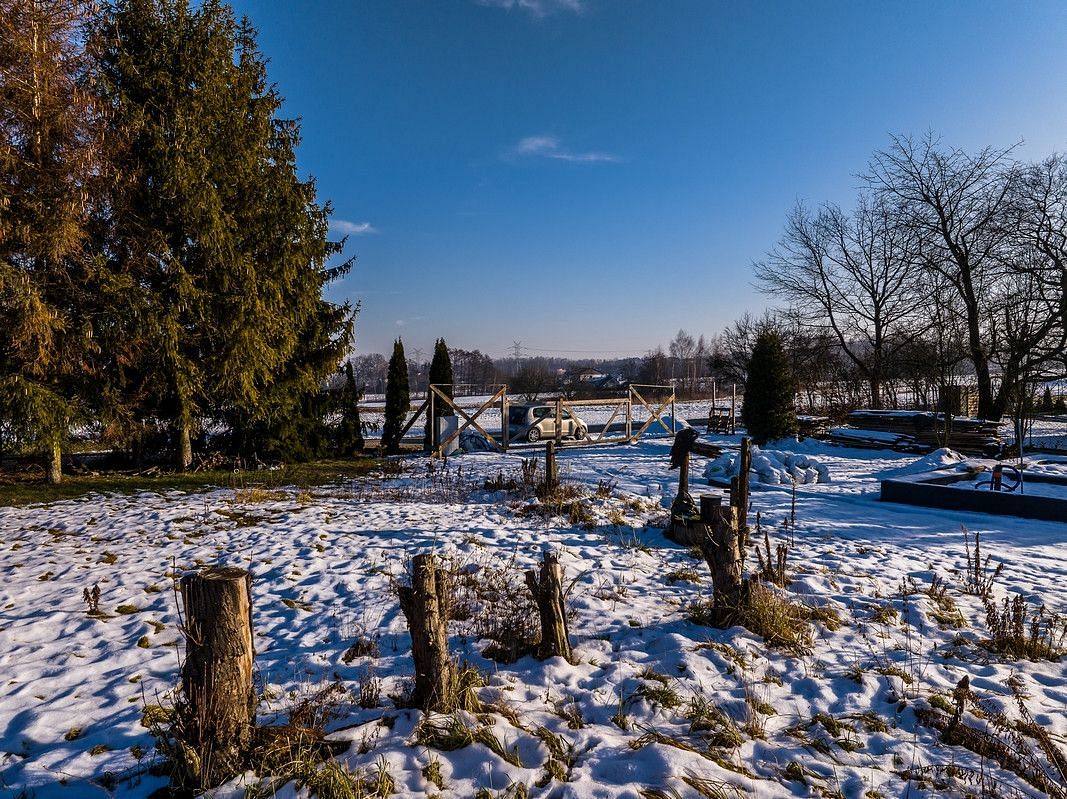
point(554, 349)
point(516, 349)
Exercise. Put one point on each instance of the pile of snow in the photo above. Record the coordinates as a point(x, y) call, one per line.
point(473, 441)
point(770, 466)
point(1051, 467)
point(656, 429)
point(938, 459)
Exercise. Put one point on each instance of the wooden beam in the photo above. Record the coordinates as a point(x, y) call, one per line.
point(470, 419)
point(411, 421)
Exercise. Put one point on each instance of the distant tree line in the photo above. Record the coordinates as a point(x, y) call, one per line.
point(162, 263)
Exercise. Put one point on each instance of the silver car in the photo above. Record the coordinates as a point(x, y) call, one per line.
point(534, 422)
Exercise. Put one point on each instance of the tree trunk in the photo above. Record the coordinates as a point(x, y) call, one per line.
point(55, 464)
point(215, 719)
point(425, 605)
point(185, 446)
point(547, 588)
point(876, 392)
point(721, 548)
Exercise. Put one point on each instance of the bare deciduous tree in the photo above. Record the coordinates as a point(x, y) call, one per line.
point(957, 204)
point(854, 274)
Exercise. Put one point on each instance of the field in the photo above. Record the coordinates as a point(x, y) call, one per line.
point(655, 705)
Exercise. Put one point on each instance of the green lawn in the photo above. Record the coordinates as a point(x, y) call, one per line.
point(298, 474)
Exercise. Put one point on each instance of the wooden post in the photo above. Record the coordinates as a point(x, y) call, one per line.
point(715, 400)
point(547, 588)
point(739, 498)
point(559, 420)
point(431, 420)
point(214, 723)
point(551, 469)
point(425, 605)
point(504, 419)
point(629, 415)
point(733, 410)
point(674, 416)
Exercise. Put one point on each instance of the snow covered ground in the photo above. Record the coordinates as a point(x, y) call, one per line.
point(837, 721)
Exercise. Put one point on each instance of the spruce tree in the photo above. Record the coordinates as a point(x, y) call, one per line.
point(226, 245)
point(440, 376)
point(49, 145)
point(397, 400)
point(769, 409)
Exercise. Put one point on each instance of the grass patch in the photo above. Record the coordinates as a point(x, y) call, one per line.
point(453, 732)
point(27, 491)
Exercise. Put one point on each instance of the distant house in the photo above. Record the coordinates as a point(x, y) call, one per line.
point(593, 380)
point(586, 376)
point(612, 383)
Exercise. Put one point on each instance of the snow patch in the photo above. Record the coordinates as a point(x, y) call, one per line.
point(938, 459)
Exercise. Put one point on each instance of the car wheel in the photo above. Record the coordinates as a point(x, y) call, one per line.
point(533, 435)
point(580, 433)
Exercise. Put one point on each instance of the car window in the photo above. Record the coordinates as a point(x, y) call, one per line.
point(541, 413)
point(567, 415)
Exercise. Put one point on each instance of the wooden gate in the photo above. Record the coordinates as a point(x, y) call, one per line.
point(623, 407)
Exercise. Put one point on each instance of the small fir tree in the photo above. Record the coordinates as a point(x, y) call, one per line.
point(350, 431)
point(397, 400)
point(1046, 400)
point(440, 376)
point(769, 409)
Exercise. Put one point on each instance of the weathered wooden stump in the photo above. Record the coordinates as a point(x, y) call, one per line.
point(722, 549)
point(426, 605)
point(216, 716)
point(546, 584)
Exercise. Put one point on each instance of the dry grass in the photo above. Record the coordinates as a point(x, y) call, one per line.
point(1021, 633)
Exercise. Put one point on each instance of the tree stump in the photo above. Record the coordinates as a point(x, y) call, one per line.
point(426, 604)
point(547, 588)
point(722, 550)
point(216, 716)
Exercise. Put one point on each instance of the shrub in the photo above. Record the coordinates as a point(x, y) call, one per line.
point(397, 399)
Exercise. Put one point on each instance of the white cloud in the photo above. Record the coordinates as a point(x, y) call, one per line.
point(537, 8)
point(550, 147)
point(346, 228)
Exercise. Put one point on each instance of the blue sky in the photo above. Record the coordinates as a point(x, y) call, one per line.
point(589, 176)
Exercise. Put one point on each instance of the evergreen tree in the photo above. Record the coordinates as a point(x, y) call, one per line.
point(769, 409)
point(397, 400)
point(1046, 399)
point(48, 167)
point(225, 245)
point(440, 376)
point(350, 432)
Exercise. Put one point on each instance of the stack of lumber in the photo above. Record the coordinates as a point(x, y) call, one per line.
point(918, 431)
point(813, 426)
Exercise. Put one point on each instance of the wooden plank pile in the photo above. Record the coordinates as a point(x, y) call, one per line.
point(813, 426)
point(918, 431)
